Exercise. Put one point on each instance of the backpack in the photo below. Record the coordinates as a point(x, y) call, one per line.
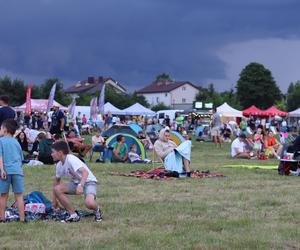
point(38, 197)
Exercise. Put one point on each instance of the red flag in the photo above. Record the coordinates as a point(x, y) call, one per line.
point(28, 99)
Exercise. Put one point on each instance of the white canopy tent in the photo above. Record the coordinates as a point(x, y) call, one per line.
point(138, 109)
point(295, 113)
point(39, 105)
point(227, 111)
point(109, 108)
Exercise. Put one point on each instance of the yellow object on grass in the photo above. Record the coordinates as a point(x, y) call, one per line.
point(250, 166)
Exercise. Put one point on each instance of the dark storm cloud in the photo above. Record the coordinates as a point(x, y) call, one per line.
point(134, 40)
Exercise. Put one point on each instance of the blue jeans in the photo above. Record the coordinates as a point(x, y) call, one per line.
point(101, 149)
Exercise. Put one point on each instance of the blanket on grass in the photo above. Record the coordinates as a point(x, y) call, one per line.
point(162, 174)
point(251, 166)
point(12, 214)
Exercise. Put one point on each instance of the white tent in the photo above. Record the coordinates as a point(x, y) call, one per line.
point(295, 113)
point(138, 109)
point(109, 108)
point(226, 111)
point(39, 105)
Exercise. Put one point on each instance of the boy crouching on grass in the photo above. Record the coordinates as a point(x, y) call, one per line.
point(11, 157)
point(82, 182)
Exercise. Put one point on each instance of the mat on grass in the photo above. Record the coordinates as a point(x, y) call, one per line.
point(166, 174)
point(250, 166)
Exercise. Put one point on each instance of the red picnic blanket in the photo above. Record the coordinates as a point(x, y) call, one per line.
point(162, 174)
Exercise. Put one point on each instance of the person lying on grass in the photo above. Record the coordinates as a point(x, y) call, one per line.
point(82, 181)
point(11, 156)
point(238, 148)
point(175, 157)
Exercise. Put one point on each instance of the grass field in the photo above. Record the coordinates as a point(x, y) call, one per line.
point(247, 209)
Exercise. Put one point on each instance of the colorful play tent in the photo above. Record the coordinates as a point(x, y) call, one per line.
point(176, 137)
point(135, 127)
point(253, 110)
point(39, 105)
point(273, 111)
point(227, 111)
point(129, 140)
point(118, 129)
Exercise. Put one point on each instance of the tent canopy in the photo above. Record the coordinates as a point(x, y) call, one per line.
point(226, 110)
point(109, 108)
point(295, 113)
point(39, 105)
point(138, 109)
point(273, 111)
point(253, 110)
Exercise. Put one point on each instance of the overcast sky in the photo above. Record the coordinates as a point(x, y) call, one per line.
point(132, 41)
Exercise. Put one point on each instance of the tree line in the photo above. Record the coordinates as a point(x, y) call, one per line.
point(255, 86)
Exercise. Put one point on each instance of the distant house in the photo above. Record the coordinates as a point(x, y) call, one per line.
point(176, 94)
point(93, 85)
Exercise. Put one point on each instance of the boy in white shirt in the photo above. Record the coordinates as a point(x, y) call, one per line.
point(238, 148)
point(82, 181)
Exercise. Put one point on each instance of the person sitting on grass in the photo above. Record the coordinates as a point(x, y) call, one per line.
point(77, 145)
point(45, 149)
point(273, 146)
point(134, 157)
point(238, 148)
point(11, 156)
point(120, 150)
point(175, 157)
point(98, 143)
point(82, 181)
point(22, 139)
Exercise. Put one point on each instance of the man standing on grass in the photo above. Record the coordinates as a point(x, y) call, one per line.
point(216, 124)
point(6, 112)
point(82, 182)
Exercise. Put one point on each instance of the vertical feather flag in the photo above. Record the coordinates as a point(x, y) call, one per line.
point(101, 100)
point(51, 97)
point(28, 99)
point(93, 110)
point(71, 109)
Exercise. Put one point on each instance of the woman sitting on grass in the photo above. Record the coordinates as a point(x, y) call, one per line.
point(22, 139)
point(175, 157)
point(273, 146)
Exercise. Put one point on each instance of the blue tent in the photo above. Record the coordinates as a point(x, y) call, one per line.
point(129, 140)
point(136, 128)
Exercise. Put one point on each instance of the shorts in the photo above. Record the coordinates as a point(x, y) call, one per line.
point(215, 131)
point(89, 188)
point(17, 182)
point(257, 146)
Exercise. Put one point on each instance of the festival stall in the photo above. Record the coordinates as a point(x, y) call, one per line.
point(295, 113)
point(39, 105)
point(253, 110)
point(227, 111)
point(273, 111)
point(138, 109)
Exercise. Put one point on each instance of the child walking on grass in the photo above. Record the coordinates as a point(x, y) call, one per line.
point(11, 157)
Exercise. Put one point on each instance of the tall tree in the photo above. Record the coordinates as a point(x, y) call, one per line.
point(163, 77)
point(256, 86)
point(293, 97)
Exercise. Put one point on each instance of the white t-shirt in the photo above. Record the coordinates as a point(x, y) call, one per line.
point(237, 145)
point(70, 168)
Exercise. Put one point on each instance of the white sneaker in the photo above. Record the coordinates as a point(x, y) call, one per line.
point(295, 173)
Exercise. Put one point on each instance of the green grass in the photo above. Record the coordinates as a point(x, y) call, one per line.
point(248, 209)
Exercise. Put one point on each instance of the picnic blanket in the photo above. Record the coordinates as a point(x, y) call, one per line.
point(250, 166)
point(162, 174)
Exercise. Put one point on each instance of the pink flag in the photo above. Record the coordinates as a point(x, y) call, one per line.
point(51, 98)
point(93, 110)
point(28, 99)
